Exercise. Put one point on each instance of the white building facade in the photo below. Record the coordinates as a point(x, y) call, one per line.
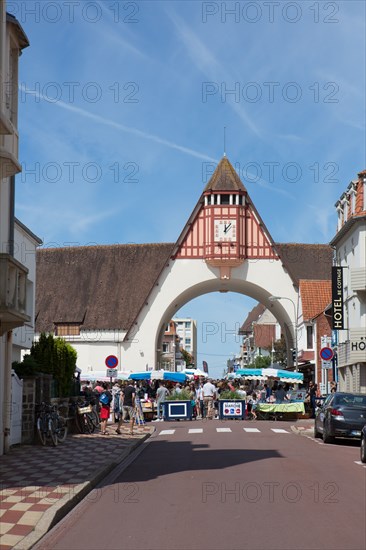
point(14, 311)
point(350, 254)
point(187, 332)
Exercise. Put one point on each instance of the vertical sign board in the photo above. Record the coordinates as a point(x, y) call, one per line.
point(337, 298)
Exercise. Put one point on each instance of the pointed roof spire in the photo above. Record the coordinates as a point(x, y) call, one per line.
point(225, 178)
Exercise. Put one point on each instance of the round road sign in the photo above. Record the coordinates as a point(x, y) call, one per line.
point(111, 361)
point(326, 354)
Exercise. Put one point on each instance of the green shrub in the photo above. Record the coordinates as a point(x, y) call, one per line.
point(184, 395)
point(229, 395)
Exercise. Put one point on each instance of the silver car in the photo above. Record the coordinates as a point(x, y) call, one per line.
point(341, 415)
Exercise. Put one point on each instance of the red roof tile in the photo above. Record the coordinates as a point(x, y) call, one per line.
point(315, 296)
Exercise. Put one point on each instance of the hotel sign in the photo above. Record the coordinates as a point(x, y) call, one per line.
point(337, 298)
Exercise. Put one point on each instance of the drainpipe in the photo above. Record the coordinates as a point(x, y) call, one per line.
point(12, 215)
point(7, 391)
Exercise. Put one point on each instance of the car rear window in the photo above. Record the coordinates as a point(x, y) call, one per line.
point(349, 399)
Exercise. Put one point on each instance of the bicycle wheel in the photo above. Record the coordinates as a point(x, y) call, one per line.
point(40, 431)
point(89, 426)
point(52, 430)
point(61, 428)
point(95, 418)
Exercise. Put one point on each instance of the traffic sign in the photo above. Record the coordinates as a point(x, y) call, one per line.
point(326, 354)
point(111, 361)
point(326, 364)
point(112, 373)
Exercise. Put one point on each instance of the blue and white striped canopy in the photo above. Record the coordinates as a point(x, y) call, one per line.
point(159, 375)
point(283, 375)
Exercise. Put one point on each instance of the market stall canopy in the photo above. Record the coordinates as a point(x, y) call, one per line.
point(195, 372)
point(264, 374)
point(159, 375)
point(95, 375)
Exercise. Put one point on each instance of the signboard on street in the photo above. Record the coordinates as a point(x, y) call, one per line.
point(112, 373)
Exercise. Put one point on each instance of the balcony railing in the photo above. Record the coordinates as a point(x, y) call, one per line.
point(353, 350)
point(13, 295)
point(358, 278)
point(9, 164)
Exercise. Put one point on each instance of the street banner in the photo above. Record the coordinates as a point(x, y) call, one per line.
point(337, 298)
point(205, 367)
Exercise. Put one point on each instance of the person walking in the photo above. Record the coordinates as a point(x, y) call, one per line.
point(209, 395)
point(129, 403)
point(161, 394)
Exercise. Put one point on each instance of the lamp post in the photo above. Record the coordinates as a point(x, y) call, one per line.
point(276, 299)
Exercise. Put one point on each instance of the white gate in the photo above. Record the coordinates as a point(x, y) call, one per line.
point(16, 409)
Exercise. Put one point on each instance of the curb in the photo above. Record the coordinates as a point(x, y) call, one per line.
point(60, 509)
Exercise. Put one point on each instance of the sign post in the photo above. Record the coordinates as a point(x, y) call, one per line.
point(111, 363)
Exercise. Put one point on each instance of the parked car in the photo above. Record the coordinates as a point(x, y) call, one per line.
point(341, 415)
point(363, 444)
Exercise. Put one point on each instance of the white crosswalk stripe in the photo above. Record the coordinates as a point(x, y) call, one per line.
point(227, 430)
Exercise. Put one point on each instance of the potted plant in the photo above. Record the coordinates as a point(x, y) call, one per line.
point(231, 405)
point(178, 406)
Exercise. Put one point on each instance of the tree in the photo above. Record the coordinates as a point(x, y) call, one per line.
point(280, 351)
point(57, 357)
point(260, 362)
point(188, 358)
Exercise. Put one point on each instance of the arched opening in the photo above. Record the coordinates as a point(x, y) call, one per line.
point(219, 314)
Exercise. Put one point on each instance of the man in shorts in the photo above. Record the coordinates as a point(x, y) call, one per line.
point(129, 397)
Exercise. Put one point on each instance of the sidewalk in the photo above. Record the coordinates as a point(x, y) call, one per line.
point(39, 485)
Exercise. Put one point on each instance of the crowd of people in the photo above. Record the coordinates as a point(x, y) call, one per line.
point(121, 398)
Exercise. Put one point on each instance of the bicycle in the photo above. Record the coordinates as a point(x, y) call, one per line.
point(51, 425)
point(85, 417)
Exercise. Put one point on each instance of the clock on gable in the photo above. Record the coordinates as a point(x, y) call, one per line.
point(225, 230)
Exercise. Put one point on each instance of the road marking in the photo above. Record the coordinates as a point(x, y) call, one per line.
point(195, 431)
point(223, 430)
point(167, 432)
point(251, 430)
point(279, 431)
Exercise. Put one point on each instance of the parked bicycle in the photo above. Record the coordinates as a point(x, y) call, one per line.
point(85, 415)
point(51, 426)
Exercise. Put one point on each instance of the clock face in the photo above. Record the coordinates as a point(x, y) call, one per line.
point(225, 230)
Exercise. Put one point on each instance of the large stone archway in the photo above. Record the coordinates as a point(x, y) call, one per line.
point(224, 246)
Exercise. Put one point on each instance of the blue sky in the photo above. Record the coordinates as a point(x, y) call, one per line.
point(122, 110)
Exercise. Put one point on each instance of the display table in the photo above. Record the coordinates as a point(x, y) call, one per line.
point(266, 410)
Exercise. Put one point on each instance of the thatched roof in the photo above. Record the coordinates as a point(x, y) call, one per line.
point(306, 261)
point(98, 287)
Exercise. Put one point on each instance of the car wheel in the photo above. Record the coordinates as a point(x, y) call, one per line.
point(326, 437)
point(363, 449)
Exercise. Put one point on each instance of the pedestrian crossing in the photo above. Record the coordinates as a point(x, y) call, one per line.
point(225, 430)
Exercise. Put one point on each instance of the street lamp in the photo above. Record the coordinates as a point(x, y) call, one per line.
point(276, 299)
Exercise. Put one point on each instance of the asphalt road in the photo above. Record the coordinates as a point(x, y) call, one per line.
point(225, 490)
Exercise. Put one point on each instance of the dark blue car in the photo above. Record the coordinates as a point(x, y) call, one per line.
point(342, 414)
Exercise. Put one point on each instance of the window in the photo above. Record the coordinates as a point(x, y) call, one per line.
point(165, 347)
point(309, 337)
point(187, 341)
point(187, 324)
point(70, 329)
